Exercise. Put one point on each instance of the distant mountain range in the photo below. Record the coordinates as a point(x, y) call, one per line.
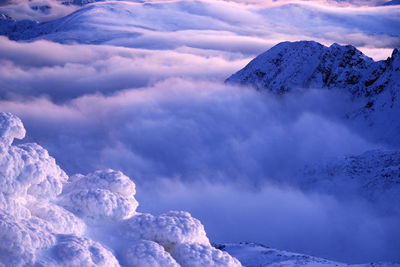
point(92, 24)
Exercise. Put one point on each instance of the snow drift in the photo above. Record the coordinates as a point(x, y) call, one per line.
point(49, 219)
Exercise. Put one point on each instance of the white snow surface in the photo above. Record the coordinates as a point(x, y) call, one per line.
point(10, 127)
point(169, 229)
point(81, 251)
point(198, 255)
point(50, 219)
point(291, 66)
point(258, 255)
point(99, 195)
point(147, 254)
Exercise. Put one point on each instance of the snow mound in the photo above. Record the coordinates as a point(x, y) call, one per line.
point(103, 194)
point(49, 219)
point(146, 253)
point(29, 170)
point(80, 251)
point(21, 238)
point(169, 229)
point(60, 220)
point(10, 127)
point(198, 255)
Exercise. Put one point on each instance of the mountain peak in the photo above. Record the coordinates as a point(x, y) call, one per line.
point(300, 65)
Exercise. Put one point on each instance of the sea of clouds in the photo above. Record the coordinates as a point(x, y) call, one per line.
point(155, 107)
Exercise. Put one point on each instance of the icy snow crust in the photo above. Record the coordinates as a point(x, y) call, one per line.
point(256, 255)
point(49, 219)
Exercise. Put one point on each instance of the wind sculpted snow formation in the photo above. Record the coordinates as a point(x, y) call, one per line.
point(50, 219)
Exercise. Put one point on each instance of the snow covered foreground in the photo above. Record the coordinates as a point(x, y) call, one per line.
point(50, 219)
point(256, 255)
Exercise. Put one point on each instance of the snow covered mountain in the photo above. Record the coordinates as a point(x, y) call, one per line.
point(114, 22)
point(257, 255)
point(300, 66)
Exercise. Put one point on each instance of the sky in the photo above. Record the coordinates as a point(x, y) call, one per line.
point(139, 87)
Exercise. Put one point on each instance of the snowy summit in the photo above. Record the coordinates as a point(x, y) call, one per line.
point(300, 65)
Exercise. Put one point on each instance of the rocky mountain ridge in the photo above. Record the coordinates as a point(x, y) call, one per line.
point(296, 67)
point(291, 66)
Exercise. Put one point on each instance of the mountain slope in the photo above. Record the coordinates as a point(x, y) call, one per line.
point(117, 22)
point(301, 66)
point(257, 255)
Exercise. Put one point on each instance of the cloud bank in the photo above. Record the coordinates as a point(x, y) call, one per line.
point(190, 130)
